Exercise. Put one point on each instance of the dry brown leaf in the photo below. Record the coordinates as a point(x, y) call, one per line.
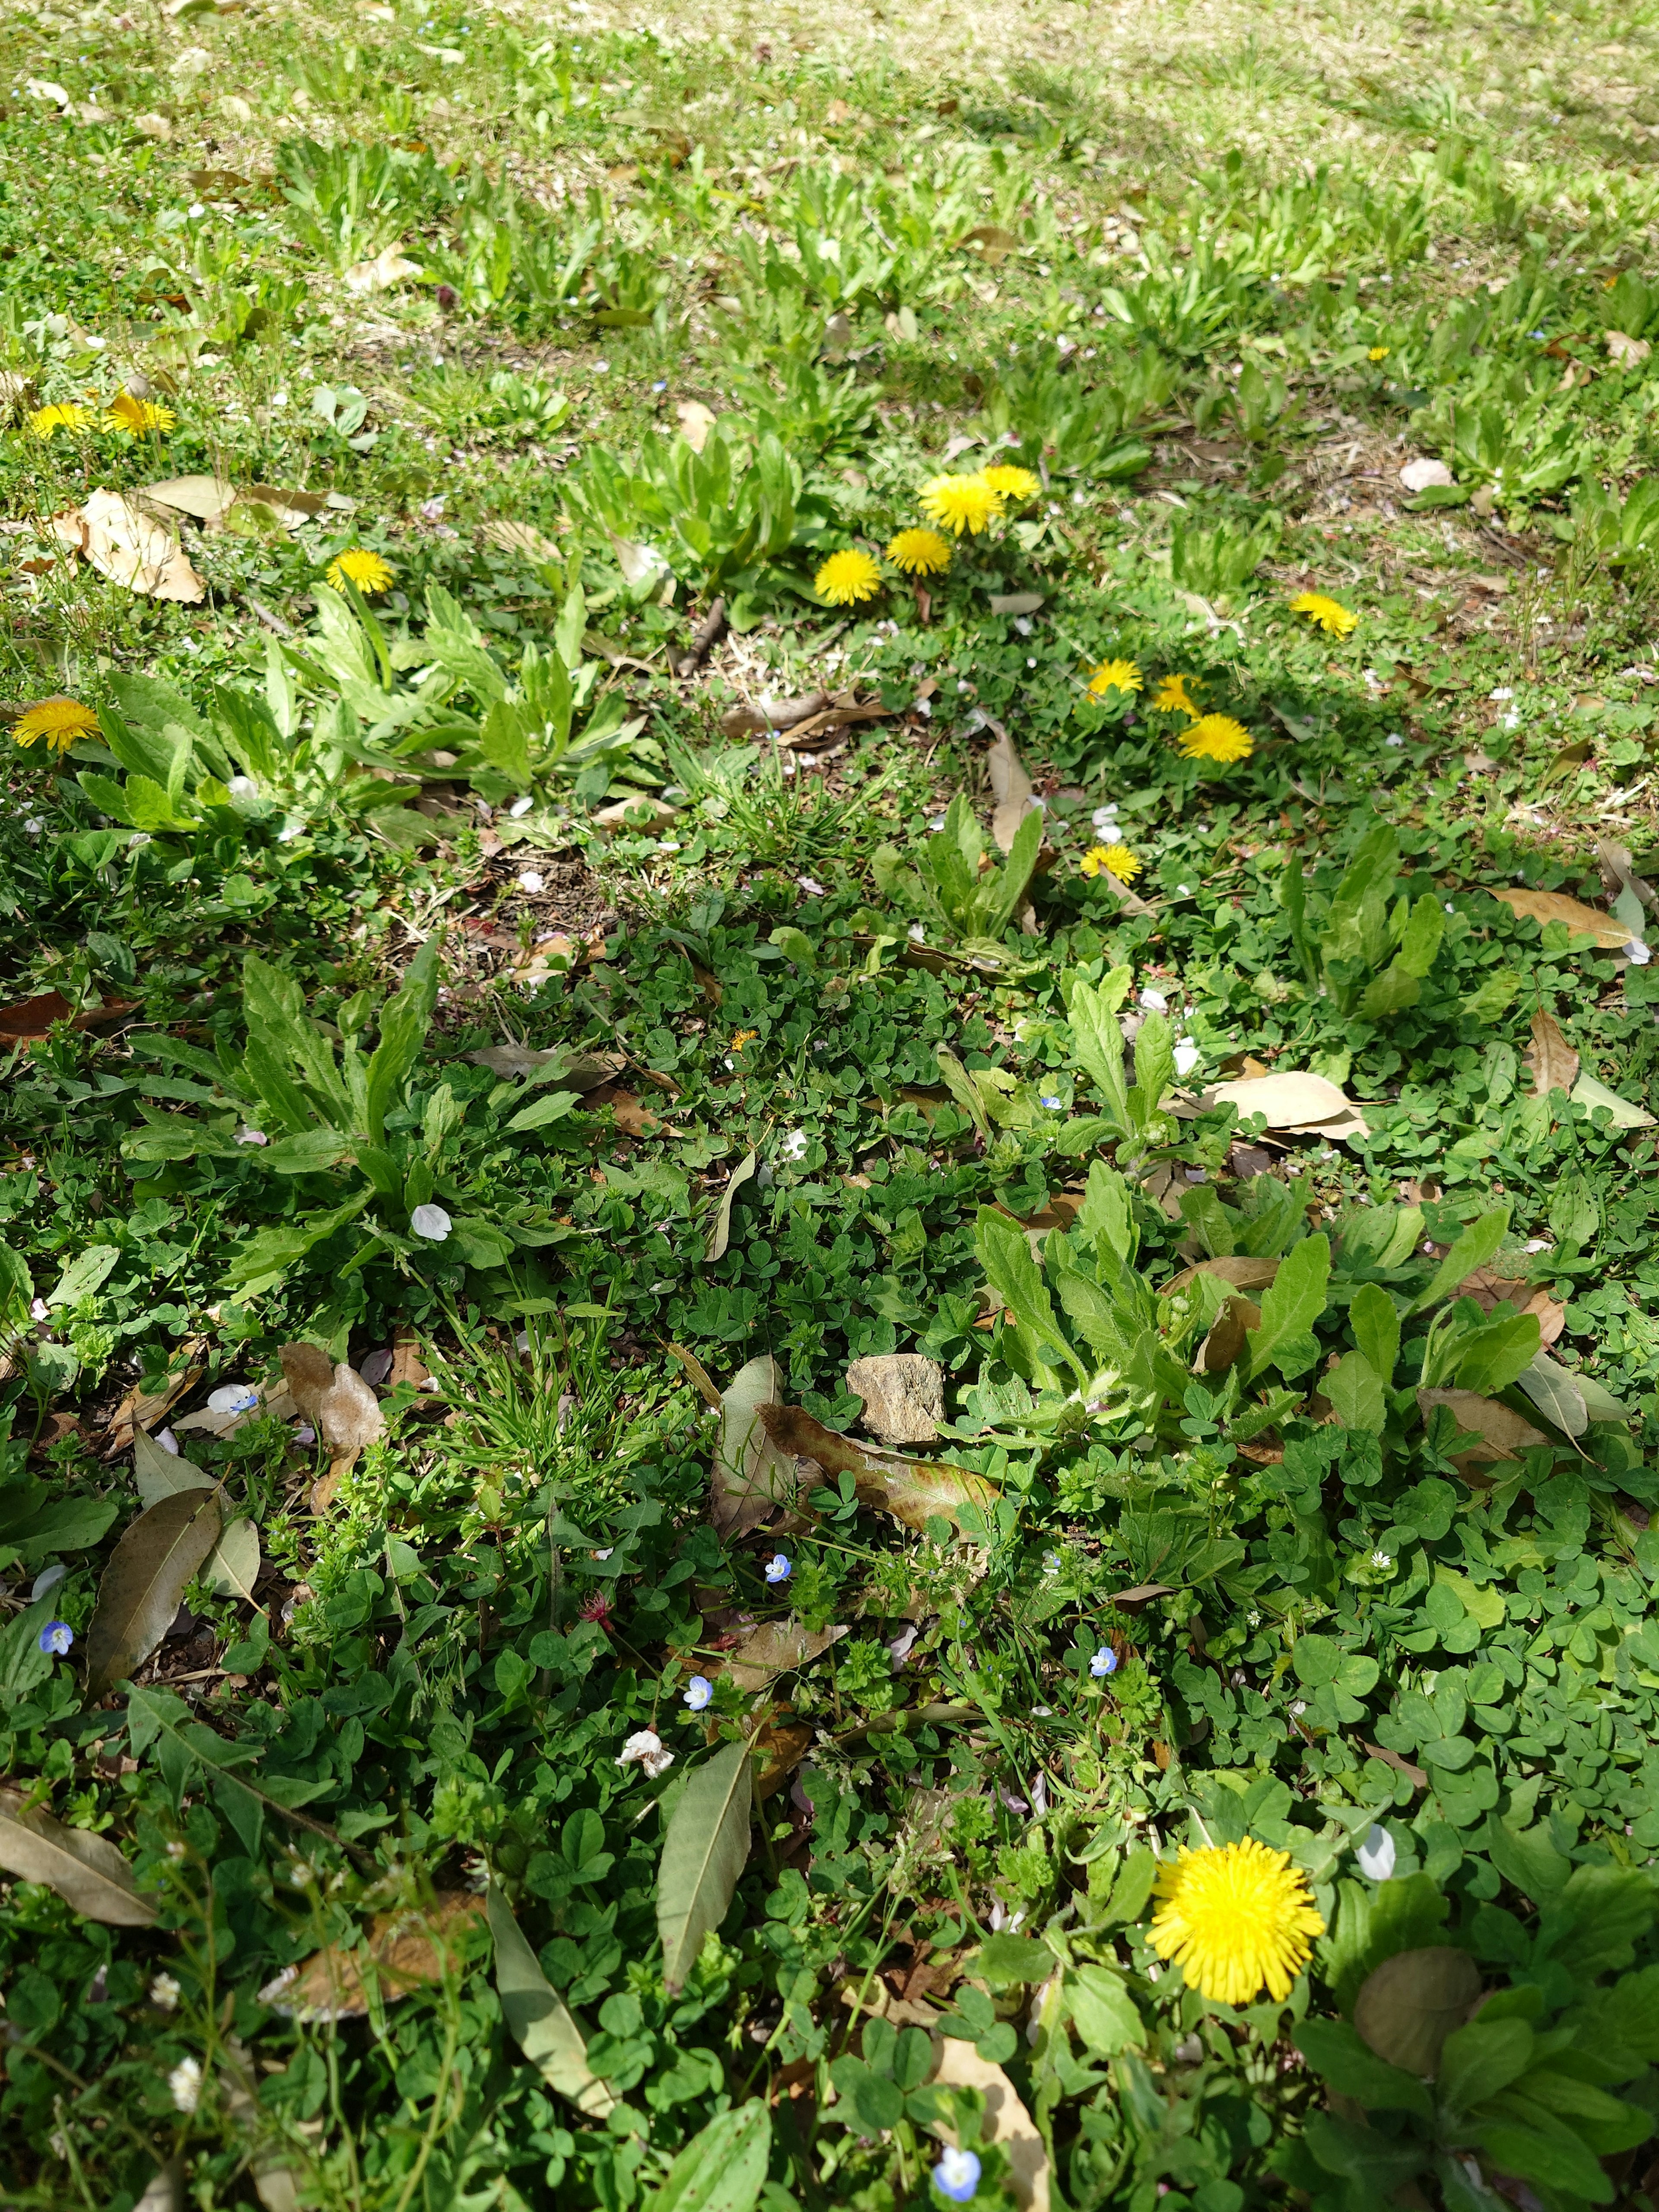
point(914, 1490)
point(631, 1115)
point(1619, 872)
point(702, 1381)
point(957, 2065)
point(1290, 1099)
point(389, 267)
point(1489, 1291)
point(1503, 1433)
point(1011, 788)
point(783, 1742)
point(775, 1648)
point(1227, 1339)
point(86, 1870)
point(992, 243)
point(130, 547)
point(1625, 351)
point(1414, 1775)
point(205, 497)
point(31, 1020)
point(1609, 933)
point(1553, 1062)
point(402, 1951)
point(142, 1409)
point(696, 422)
point(308, 1371)
point(750, 1477)
point(522, 538)
point(772, 714)
point(407, 1364)
point(1241, 1272)
point(584, 1071)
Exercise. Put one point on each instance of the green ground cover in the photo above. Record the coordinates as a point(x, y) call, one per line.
point(689, 704)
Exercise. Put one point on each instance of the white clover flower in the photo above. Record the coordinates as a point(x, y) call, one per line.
point(184, 2084)
point(1377, 1855)
point(794, 1147)
point(645, 1749)
point(1638, 953)
point(432, 1223)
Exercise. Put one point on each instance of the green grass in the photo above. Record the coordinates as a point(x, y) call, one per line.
point(459, 979)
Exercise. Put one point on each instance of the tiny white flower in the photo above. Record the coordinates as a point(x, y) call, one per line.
point(531, 881)
point(1394, 739)
point(645, 1749)
point(1503, 691)
point(1154, 1001)
point(521, 805)
point(184, 2084)
point(232, 1398)
point(252, 1136)
point(242, 787)
point(1638, 953)
point(1298, 1709)
point(1381, 1561)
point(1536, 1244)
point(607, 1552)
point(918, 934)
point(35, 824)
point(812, 888)
point(1377, 1855)
point(164, 1993)
point(430, 1222)
point(279, 399)
point(167, 1440)
point(38, 1309)
point(1186, 1057)
point(1105, 817)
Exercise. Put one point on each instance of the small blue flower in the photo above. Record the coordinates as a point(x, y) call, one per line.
point(1104, 1662)
point(956, 2175)
point(1051, 1103)
point(698, 1692)
point(55, 1639)
point(778, 1569)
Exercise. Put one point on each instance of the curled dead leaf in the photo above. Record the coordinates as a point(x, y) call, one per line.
point(389, 267)
point(751, 1477)
point(130, 547)
point(1011, 788)
point(400, 1952)
point(914, 1490)
point(1291, 1099)
point(1553, 1060)
point(775, 1648)
point(1228, 1337)
point(1243, 1272)
point(1503, 1433)
point(957, 2065)
point(522, 538)
point(1610, 934)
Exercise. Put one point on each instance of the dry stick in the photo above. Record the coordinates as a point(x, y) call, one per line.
point(708, 629)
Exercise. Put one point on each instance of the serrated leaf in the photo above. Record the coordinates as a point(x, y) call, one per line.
point(537, 2019)
point(1292, 1302)
point(86, 1870)
point(144, 1584)
point(703, 1853)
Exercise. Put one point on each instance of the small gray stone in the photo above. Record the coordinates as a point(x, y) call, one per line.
point(903, 1396)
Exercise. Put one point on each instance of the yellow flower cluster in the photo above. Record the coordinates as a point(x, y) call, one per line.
point(58, 721)
point(1115, 859)
point(958, 504)
point(123, 413)
point(1207, 737)
point(974, 502)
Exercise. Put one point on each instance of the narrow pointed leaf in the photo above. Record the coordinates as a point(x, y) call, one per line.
point(540, 2024)
point(86, 1870)
point(144, 1584)
point(703, 1854)
point(724, 2168)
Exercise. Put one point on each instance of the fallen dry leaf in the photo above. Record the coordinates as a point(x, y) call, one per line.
point(1306, 1105)
point(1228, 1337)
point(522, 538)
point(772, 714)
point(1553, 1062)
point(205, 497)
point(401, 1951)
point(1610, 934)
point(582, 1071)
point(142, 1409)
point(696, 422)
point(1503, 1433)
point(32, 1020)
point(1243, 1272)
point(913, 1490)
point(1626, 351)
point(775, 1648)
point(1489, 1291)
point(1418, 475)
point(750, 1477)
point(122, 542)
point(389, 267)
point(1011, 788)
point(957, 2065)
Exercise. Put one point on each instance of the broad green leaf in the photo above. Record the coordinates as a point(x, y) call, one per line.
point(1424, 933)
point(1500, 1355)
point(1097, 1042)
point(536, 2017)
point(703, 1853)
point(1586, 1091)
point(144, 1584)
point(1015, 873)
point(1356, 1393)
point(1154, 1068)
point(1391, 993)
point(553, 1106)
point(1014, 1275)
point(86, 1871)
point(724, 2168)
point(1103, 2011)
point(1340, 2056)
point(1375, 1320)
point(505, 744)
point(1292, 1302)
point(1474, 1248)
point(307, 1152)
point(1477, 2061)
point(1004, 1958)
point(1107, 1213)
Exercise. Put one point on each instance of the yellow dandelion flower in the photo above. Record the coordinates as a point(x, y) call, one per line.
point(1216, 738)
point(919, 552)
point(846, 578)
point(126, 413)
point(1115, 859)
point(59, 722)
point(358, 566)
point(1114, 676)
point(1236, 1917)
point(1377, 353)
point(45, 421)
point(959, 503)
point(1330, 614)
point(1010, 482)
point(1174, 698)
